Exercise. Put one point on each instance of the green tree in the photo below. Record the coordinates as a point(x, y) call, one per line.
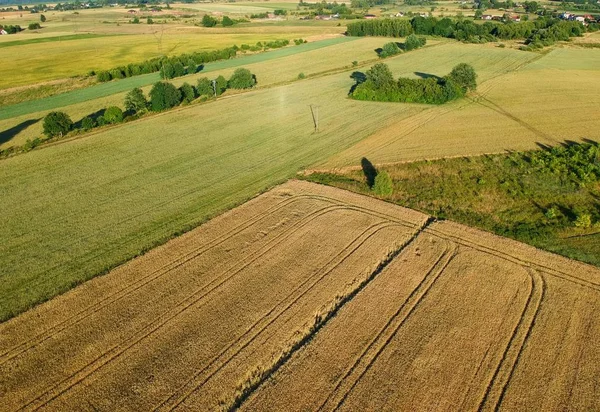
point(187, 92)
point(136, 20)
point(163, 96)
point(135, 101)
point(383, 184)
point(103, 76)
point(464, 75)
point(167, 71)
point(192, 67)
point(389, 49)
point(87, 123)
point(149, 20)
point(221, 85)
point(113, 115)
point(178, 70)
point(208, 21)
point(34, 26)
point(413, 42)
point(241, 79)
point(57, 124)
point(204, 87)
point(42, 18)
point(380, 75)
point(227, 21)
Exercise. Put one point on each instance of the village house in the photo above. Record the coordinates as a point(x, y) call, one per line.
point(486, 17)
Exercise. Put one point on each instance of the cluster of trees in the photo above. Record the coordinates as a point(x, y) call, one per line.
point(379, 85)
point(11, 29)
point(560, 31)
point(392, 48)
point(547, 28)
point(324, 7)
point(226, 21)
point(162, 96)
point(184, 63)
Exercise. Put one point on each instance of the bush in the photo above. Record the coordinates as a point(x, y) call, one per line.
point(413, 42)
point(583, 220)
point(227, 21)
point(178, 70)
point(42, 18)
point(208, 21)
point(163, 96)
point(464, 75)
point(389, 49)
point(241, 79)
point(204, 87)
point(383, 184)
point(167, 71)
point(87, 123)
point(34, 26)
point(187, 92)
point(57, 124)
point(113, 115)
point(221, 85)
point(135, 101)
point(301, 76)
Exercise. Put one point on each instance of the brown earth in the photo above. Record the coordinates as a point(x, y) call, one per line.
point(410, 315)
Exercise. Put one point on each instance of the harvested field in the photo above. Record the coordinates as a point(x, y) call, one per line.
point(330, 294)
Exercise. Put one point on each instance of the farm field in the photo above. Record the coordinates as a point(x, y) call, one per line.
point(549, 100)
point(451, 315)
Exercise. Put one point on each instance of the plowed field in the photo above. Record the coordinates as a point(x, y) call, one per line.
point(311, 297)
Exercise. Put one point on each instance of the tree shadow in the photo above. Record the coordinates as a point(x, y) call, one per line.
point(369, 171)
point(199, 68)
point(358, 77)
point(428, 76)
point(8, 134)
point(95, 116)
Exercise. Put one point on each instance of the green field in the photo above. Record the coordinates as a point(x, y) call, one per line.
point(527, 196)
point(118, 86)
point(96, 201)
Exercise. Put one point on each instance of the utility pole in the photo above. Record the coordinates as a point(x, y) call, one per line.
point(314, 110)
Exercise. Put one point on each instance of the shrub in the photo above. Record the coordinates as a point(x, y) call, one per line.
point(227, 21)
point(163, 96)
point(87, 123)
point(113, 115)
point(208, 21)
point(583, 220)
point(42, 18)
point(117, 74)
point(221, 85)
point(57, 124)
point(187, 92)
point(383, 184)
point(178, 70)
point(34, 26)
point(135, 101)
point(389, 49)
point(464, 75)
point(167, 71)
point(414, 42)
point(149, 20)
point(301, 76)
point(241, 79)
point(204, 87)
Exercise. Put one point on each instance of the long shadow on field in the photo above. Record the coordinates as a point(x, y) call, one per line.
point(427, 76)
point(358, 77)
point(369, 171)
point(8, 134)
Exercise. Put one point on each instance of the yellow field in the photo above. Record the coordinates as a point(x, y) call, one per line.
point(553, 98)
point(382, 310)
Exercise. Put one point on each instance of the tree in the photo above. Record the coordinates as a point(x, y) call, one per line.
point(135, 101)
point(34, 26)
point(163, 96)
point(113, 115)
point(464, 75)
point(221, 85)
point(227, 21)
point(531, 6)
point(204, 87)
point(87, 123)
point(178, 70)
point(149, 20)
point(192, 67)
point(42, 18)
point(167, 71)
point(187, 92)
point(383, 184)
point(380, 75)
point(413, 42)
point(478, 14)
point(103, 76)
point(389, 49)
point(241, 79)
point(136, 20)
point(208, 21)
point(57, 124)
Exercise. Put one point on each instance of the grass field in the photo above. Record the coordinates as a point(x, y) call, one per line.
point(262, 308)
point(552, 99)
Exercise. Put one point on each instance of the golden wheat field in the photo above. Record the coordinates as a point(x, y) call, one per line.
point(310, 297)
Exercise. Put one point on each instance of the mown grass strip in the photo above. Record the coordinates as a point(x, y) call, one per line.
point(56, 38)
point(107, 89)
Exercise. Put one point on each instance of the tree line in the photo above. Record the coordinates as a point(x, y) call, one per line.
point(163, 96)
point(378, 84)
point(544, 30)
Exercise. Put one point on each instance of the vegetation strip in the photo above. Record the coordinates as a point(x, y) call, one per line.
point(260, 374)
point(123, 85)
point(56, 39)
